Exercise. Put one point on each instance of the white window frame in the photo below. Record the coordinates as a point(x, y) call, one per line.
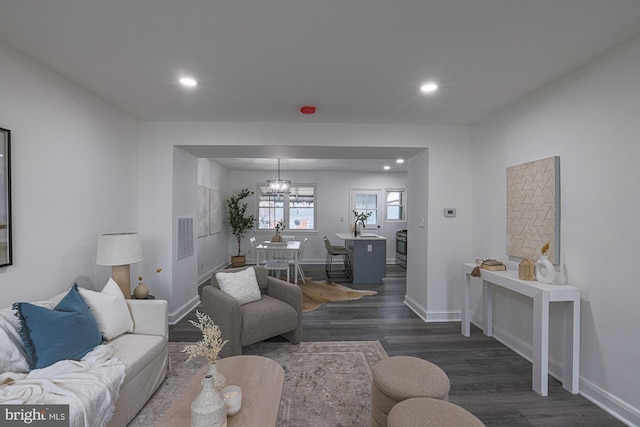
point(374, 222)
point(286, 209)
point(403, 203)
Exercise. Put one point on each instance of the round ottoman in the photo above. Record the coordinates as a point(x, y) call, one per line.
point(420, 412)
point(400, 378)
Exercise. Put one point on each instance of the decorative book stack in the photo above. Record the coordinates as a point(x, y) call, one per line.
point(492, 264)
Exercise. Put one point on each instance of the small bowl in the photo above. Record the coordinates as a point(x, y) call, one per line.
point(232, 395)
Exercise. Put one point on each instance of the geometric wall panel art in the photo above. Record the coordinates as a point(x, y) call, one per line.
point(202, 223)
point(215, 211)
point(533, 209)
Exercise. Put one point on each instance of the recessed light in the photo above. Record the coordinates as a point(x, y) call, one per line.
point(188, 81)
point(400, 161)
point(386, 167)
point(429, 87)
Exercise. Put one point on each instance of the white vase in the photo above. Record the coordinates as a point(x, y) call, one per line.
point(208, 409)
point(545, 272)
point(218, 379)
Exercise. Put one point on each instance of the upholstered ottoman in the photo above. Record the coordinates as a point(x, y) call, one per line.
point(400, 378)
point(421, 411)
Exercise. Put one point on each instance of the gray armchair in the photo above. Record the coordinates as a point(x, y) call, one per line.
point(279, 312)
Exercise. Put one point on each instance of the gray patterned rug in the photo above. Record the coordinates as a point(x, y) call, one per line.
point(326, 383)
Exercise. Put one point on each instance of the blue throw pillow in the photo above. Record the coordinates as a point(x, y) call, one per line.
point(69, 331)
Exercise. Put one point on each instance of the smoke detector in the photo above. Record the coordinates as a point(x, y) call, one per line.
point(308, 109)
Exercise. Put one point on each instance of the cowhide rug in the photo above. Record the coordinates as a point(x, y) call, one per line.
point(315, 293)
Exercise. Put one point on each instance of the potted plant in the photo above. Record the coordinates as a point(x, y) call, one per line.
point(239, 221)
point(362, 218)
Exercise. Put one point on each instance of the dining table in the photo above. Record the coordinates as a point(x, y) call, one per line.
point(281, 250)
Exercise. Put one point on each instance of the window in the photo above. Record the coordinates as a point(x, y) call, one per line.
point(365, 201)
point(395, 205)
point(298, 208)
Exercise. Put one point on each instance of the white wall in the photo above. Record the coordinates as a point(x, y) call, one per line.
point(449, 182)
point(183, 294)
point(74, 160)
point(439, 179)
point(591, 120)
point(212, 254)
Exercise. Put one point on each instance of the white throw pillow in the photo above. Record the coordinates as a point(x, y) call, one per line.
point(110, 310)
point(12, 355)
point(241, 285)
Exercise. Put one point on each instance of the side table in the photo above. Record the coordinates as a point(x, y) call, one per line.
point(543, 295)
point(148, 297)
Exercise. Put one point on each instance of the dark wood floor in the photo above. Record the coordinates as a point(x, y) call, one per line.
point(487, 378)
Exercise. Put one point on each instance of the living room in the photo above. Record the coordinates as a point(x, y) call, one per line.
point(82, 166)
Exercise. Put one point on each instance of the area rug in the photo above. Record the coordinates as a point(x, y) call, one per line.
point(315, 293)
point(326, 383)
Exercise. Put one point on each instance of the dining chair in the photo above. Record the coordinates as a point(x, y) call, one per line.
point(276, 260)
point(254, 245)
point(290, 259)
point(300, 253)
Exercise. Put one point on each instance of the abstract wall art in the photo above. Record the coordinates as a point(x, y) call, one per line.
point(533, 209)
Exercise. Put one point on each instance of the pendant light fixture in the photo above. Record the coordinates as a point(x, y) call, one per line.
point(278, 186)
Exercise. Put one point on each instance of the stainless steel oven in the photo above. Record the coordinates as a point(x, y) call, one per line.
point(401, 248)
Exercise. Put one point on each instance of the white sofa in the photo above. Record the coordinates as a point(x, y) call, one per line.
point(146, 354)
point(144, 351)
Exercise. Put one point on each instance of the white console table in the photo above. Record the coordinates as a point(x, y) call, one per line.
point(542, 294)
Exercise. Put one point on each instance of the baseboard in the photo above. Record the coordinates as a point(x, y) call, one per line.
point(186, 308)
point(610, 403)
point(600, 397)
point(431, 315)
point(415, 307)
point(443, 316)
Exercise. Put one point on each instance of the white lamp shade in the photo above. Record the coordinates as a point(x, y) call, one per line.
point(119, 249)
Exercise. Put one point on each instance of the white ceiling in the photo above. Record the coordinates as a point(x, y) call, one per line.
point(358, 61)
point(305, 157)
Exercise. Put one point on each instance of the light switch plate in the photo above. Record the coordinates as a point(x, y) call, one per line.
point(450, 212)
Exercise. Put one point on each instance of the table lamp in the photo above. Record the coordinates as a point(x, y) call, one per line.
point(119, 250)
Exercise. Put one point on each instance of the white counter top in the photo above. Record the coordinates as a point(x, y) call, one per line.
point(364, 236)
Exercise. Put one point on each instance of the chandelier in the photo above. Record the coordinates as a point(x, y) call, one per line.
point(278, 186)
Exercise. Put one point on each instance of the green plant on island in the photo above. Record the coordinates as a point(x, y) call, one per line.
point(362, 217)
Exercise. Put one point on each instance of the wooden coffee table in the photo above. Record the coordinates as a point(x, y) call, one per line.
point(261, 381)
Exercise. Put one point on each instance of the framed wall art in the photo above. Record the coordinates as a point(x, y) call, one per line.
point(203, 211)
point(533, 209)
point(5, 197)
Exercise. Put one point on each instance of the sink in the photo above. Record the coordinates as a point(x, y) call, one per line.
point(369, 235)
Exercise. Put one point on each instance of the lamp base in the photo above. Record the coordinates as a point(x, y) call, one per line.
point(121, 274)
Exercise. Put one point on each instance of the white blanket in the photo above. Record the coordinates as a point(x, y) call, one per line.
point(90, 386)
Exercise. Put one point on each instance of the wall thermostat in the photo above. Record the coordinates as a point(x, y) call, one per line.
point(450, 212)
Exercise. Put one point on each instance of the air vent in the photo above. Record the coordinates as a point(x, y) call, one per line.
point(184, 238)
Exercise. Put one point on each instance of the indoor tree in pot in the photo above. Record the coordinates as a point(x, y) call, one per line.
point(239, 221)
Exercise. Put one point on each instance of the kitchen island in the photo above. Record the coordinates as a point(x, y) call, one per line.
point(368, 255)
